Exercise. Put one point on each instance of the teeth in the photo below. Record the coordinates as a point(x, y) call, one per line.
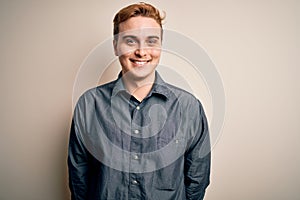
point(140, 62)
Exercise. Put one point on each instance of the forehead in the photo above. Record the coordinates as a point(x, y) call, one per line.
point(140, 26)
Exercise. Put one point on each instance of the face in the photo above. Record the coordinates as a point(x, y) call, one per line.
point(138, 46)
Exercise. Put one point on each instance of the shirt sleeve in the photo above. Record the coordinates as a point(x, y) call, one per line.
point(78, 165)
point(198, 158)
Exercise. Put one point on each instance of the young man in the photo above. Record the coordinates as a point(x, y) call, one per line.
point(138, 137)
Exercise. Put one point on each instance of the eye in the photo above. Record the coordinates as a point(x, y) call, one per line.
point(153, 41)
point(130, 41)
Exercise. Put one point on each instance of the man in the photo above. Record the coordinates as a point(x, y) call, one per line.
point(138, 137)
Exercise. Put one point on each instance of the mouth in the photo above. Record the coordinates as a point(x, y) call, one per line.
point(139, 62)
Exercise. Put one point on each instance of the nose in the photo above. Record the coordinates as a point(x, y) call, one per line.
point(140, 52)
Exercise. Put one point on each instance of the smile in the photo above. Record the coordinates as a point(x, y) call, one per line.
point(139, 62)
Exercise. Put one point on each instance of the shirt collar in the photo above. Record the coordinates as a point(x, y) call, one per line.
point(159, 87)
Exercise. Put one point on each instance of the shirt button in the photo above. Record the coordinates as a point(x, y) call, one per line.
point(135, 157)
point(138, 107)
point(136, 131)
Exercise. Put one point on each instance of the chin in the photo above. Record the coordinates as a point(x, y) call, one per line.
point(139, 73)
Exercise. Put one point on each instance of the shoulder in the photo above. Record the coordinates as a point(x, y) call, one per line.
point(96, 93)
point(184, 96)
point(189, 104)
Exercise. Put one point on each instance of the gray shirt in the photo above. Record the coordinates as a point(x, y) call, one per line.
point(122, 149)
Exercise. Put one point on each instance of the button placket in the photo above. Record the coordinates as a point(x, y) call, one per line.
point(135, 157)
point(136, 123)
point(135, 147)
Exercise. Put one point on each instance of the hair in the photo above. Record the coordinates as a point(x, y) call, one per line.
point(134, 10)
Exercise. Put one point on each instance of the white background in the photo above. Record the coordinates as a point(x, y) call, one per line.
point(254, 44)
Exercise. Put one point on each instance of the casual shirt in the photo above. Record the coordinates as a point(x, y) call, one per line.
point(121, 148)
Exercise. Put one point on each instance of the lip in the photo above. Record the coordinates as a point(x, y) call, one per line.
point(139, 62)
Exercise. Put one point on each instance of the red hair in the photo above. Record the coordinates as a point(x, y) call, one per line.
point(134, 10)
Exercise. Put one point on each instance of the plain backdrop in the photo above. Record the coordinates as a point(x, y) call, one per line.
point(255, 46)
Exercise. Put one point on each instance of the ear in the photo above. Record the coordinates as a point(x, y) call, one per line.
point(115, 44)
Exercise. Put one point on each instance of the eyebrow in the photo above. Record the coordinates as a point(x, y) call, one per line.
point(154, 36)
point(135, 37)
point(129, 36)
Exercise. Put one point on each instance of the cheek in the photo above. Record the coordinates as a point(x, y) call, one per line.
point(124, 50)
point(156, 53)
point(124, 55)
point(123, 59)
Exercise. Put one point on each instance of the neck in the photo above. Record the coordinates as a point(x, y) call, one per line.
point(139, 88)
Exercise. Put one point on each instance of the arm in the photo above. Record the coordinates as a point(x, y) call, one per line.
point(197, 159)
point(78, 165)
